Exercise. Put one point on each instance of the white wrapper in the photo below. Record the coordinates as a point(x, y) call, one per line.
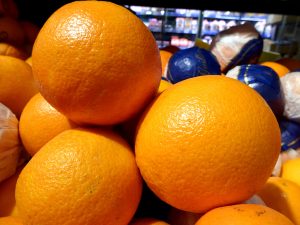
point(10, 146)
point(291, 89)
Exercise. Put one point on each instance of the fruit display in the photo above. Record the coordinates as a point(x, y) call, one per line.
point(100, 126)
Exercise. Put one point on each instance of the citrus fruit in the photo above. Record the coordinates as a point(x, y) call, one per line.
point(9, 220)
point(16, 83)
point(107, 70)
point(244, 214)
point(291, 170)
point(7, 195)
point(11, 31)
point(281, 70)
point(39, 123)
point(199, 146)
point(283, 196)
point(10, 50)
point(81, 176)
point(148, 221)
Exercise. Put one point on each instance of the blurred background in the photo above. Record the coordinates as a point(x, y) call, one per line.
point(183, 23)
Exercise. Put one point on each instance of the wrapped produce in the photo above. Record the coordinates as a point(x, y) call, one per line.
point(240, 44)
point(192, 62)
point(10, 148)
point(262, 79)
point(290, 84)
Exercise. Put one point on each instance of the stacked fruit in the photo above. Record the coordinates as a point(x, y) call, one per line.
point(111, 142)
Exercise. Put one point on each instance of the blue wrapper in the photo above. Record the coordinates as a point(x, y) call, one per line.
point(192, 62)
point(290, 135)
point(264, 80)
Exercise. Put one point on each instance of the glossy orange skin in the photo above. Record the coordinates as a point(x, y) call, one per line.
point(244, 214)
point(96, 62)
point(82, 176)
point(206, 142)
point(39, 123)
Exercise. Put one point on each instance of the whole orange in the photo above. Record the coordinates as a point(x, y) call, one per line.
point(148, 221)
point(81, 176)
point(280, 69)
point(17, 85)
point(9, 220)
point(39, 123)
point(206, 142)
point(244, 214)
point(283, 196)
point(96, 62)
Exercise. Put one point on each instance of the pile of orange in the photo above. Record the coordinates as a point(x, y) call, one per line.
point(202, 146)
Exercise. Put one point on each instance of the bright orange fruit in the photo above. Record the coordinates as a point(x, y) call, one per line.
point(81, 176)
point(16, 83)
point(9, 220)
point(244, 214)
point(206, 142)
point(109, 64)
point(283, 196)
point(39, 123)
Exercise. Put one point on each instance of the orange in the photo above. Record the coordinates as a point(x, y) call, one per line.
point(165, 57)
point(244, 214)
point(281, 70)
point(7, 195)
point(9, 220)
point(9, 8)
point(283, 196)
point(11, 31)
point(82, 176)
point(39, 123)
point(148, 221)
point(16, 83)
point(31, 31)
point(109, 64)
point(200, 146)
point(291, 170)
point(10, 50)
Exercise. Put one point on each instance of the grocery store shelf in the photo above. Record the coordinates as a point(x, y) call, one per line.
point(288, 7)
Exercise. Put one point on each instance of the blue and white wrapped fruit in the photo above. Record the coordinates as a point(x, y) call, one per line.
point(264, 80)
point(238, 45)
point(192, 62)
point(290, 84)
point(290, 135)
